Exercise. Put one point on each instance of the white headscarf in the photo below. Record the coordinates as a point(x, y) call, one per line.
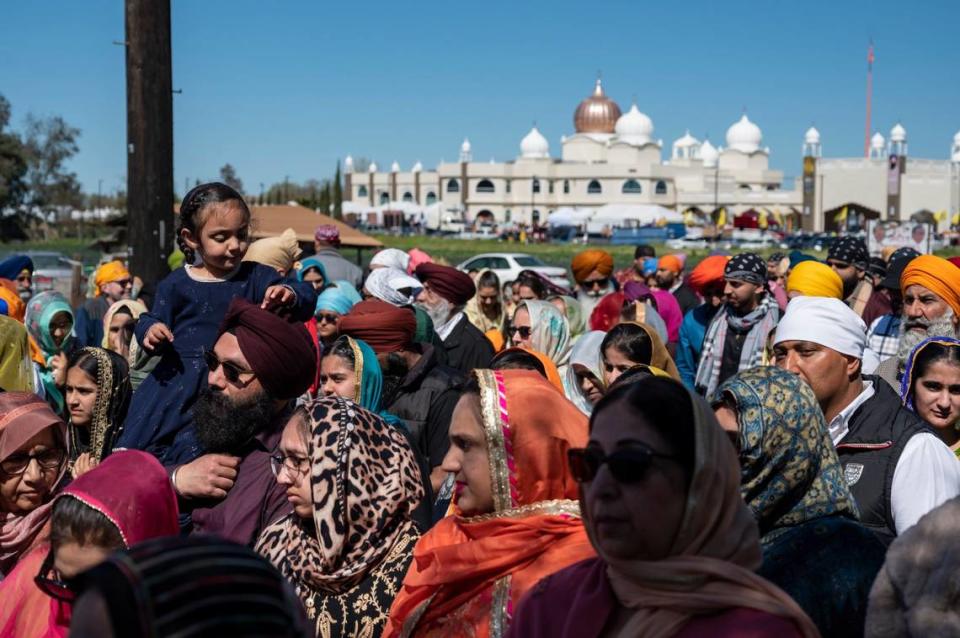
point(549, 330)
point(825, 321)
point(385, 284)
point(391, 258)
point(586, 352)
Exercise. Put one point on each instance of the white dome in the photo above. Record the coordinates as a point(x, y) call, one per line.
point(687, 141)
point(534, 145)
point(744, 136)
point(709, 154)
point(395, 167)
point(898, 133)
point(812, 136)
point(877, 141)
point(634, 127)
point(417, 167)
point(465, 147)
point(956, 138)
point(373, 167)
point(348, 164)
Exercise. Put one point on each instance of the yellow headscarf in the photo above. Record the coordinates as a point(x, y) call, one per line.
point(16, 369)
point(109, 272)
point(277, 252)
point(814, 279)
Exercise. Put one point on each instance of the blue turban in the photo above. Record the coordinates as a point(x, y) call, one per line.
point(11, 267)
point(312, 262)
point(336, 299)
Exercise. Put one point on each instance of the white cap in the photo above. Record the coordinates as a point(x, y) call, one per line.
point(825, 321)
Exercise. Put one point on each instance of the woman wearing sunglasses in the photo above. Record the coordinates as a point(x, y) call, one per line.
point(792, 481)
point(539, 326)
point(677, 547)
point(32, 462)
point(515, 516)
point(334, 302)
point(125, 500)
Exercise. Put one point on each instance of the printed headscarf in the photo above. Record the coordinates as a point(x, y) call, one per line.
point(852, 250)
point(109, 408)
point(40, 311)
point(748, 267)
point(549, 331)
point(790, 473)
point(365, 484)
point(328, 233)
point(573, 311)
point(909, 371)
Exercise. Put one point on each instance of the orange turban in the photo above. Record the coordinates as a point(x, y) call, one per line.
point(708, 272)
point(587, 261)
point(110, 272)
point(815, 279)
point(935, 274)
point(16, 309)
point(670, 262)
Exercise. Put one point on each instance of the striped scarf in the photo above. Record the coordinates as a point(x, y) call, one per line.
point(757, 324)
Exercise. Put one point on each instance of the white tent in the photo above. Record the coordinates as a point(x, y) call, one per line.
point(634, 215)
point(568, 216)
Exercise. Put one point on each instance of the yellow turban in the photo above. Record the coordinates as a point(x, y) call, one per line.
point(587, 261)
point(109, 272)
point(935, 274)
point(815, 279)
point(277, 252)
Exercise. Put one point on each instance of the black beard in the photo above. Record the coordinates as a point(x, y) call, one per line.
point(225, 427)
point(394, 372)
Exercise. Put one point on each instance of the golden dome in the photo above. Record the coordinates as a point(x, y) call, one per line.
point(597, 113)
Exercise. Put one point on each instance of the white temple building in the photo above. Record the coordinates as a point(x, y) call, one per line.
point(613, 158)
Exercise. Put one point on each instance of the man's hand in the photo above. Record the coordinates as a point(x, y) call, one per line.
point(157, 334)
point(210, 476)
point(278, 297)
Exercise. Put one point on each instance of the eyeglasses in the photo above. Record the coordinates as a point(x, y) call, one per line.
point(325, 317)
point(17, 464)
point(295, 465)
point(51, 583)
point(123, 283)
point(523, 330)
point(230, 370)
point(596, 283)
point(627, 465)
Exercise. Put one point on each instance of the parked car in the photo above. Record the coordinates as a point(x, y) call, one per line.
point(508, 266)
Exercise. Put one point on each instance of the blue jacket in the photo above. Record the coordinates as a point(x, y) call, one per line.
point(692, 331)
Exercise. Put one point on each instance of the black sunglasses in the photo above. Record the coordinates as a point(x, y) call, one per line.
point(523, 330)
point(52, 584)
point(627, 465)
point(323, 317)
point(230, 370)
point(594, 283)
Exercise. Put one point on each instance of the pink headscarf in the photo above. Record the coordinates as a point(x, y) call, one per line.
point(417, 257)
point(669, 309)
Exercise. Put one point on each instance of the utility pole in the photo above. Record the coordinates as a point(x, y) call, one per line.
point(866, 131)
point(149, 136)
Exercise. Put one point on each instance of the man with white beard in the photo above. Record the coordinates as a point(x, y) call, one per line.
point(931, 308)
point(445, 293)
point(593, 271)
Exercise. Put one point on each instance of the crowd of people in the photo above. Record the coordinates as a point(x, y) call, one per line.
point(270, 443)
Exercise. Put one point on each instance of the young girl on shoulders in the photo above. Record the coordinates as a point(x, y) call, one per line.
point(213, 233)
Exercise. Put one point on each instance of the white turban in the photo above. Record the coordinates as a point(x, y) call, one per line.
point(825, 321)
point(386, 283)
point(391, 258)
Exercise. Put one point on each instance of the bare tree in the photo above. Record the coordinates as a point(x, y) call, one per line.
point(228, 175)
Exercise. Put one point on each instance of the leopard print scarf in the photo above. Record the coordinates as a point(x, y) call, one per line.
point(365, 483)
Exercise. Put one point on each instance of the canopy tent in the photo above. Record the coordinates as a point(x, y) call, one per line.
point(622, 215)
point(271, 221)
point(570, 216)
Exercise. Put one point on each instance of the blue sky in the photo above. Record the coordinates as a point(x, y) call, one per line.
point(286, 88)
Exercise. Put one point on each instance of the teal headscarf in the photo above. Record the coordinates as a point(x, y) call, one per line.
point(312, 262)
point(789, 470)
point(369, 393)
point(336, 298)
point(41, 309)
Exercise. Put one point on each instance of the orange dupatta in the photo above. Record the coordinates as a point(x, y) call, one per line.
point(468, 574)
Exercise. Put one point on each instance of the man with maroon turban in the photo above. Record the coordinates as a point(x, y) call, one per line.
point(259, 365)
point(416, 386)
point(445, 294)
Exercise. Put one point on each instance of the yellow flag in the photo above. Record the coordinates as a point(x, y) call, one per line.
point(841, 216)
point(956, 219)
point(763, 220)
point(940, 215)
point(722, 217)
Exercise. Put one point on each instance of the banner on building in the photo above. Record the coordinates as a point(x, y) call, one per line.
point(916, 235)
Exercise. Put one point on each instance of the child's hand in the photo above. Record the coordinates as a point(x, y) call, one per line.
point(84, 463)
point(278, 297)
point(58, 368)
point(157, 334)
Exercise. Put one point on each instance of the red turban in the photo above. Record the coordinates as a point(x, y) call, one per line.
point(383, 326)
point(607, 312)
point(709, 271)
point(587, 261)
point(451, 284)
point(281, 353)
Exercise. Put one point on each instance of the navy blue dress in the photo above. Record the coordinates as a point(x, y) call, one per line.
point(160, 420)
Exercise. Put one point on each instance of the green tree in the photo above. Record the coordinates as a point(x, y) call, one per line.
point(49, 144)
point(337, 195)
point(228, 175)
point(13, 162)
point(325, 200)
